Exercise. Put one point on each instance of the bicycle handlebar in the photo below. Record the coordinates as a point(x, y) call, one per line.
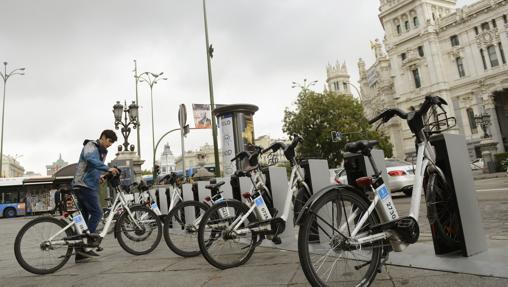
point(427, 104)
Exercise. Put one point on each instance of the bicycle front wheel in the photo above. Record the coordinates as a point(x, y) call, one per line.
point(35, 252)
point(181, 228)
point(443, 211)
point(140, 233)
point(222, 247)
point(327, 252)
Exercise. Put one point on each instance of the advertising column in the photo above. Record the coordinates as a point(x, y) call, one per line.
point(236, 133)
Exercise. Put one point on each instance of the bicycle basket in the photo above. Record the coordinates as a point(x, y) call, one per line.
point(438, 121)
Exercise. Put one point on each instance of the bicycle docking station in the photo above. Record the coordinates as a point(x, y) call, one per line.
point(452, 152)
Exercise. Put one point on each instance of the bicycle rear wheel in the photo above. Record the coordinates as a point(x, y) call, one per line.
point(442, 211)
point(181, 228)
point(326, 254)
point(33, 250)
point(220, 247)
point(140, 233)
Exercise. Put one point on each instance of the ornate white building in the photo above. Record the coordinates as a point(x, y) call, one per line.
point(337, 78)
point(167, 160)
point(434, 48)
point(11, 167)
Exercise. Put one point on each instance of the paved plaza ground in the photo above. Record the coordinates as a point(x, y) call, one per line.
point(267, 267)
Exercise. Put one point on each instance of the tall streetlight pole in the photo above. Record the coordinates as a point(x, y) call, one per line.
point(305, 86)
point(357, 90)
point(136, 77)
point(5, 77)
point(151, 79)
point(209, 55)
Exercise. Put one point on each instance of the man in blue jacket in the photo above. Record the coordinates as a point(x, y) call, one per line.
point(88, 175)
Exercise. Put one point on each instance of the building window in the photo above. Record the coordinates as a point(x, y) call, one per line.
point(494, 62)
point(485, 26)
point(505, 19)
point(416, 23)
point(483, 59)
point(420, 51)
point(416, 77)
point(476, 30)
point(345, 86)
point(454, 40)
point(472, 121)
point(403, 56)
point(398, 29)
point(501, 51)
point(494, 23)
point(406, 25)
point(336, 85)
point(460, 67)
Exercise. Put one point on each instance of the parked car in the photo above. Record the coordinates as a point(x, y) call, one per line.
point(401, 176)
point(476, 164)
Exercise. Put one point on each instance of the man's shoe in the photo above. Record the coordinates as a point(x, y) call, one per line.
point(80, 258)
point(85, 254)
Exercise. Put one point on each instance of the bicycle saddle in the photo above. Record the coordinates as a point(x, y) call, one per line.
point(363, 146)
point(215, 186)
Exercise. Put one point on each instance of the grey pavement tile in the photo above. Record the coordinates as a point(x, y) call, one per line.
point(152, 265)
point(450, 279)
point(152, 279)
point(255, 275)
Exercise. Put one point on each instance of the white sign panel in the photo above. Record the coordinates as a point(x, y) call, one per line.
point(228, 144)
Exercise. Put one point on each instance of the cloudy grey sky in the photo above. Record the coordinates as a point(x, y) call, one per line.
point(79, 60)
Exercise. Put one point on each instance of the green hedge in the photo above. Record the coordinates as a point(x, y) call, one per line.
point(501, 161)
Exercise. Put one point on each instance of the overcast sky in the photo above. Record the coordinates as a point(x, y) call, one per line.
point(79, 60)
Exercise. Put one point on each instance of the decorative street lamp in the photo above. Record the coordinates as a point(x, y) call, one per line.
point(130, 118)
point(305, 86)
point(484, 121)
point(151, 79)
point(5, 76)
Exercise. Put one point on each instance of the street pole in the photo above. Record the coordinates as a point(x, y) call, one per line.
point(153, 132)
point(5, 77)
point(152, 79)
point(357, 90)
point(212, 104)
point(137, 103)
point(183, 153)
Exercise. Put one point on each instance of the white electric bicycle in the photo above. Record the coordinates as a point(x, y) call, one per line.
point(45, 244)
point(230, 230)
point(345, 236)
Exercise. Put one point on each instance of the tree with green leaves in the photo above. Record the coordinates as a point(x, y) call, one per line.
point(316, 115)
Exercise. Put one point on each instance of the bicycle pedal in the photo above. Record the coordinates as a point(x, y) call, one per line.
point(276, 240)
point(99, 249)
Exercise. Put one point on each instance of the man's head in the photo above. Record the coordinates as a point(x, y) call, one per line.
point(107, 138)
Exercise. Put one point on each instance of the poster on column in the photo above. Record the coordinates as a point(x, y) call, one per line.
point(202, 116)
point(228, 144)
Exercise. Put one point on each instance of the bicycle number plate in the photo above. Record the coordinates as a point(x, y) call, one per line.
point(77, 219)
point(383, 192)
point(259, 201)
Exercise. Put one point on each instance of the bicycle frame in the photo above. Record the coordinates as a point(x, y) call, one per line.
point(295, 178)
point(119, 202)
point(425, 157)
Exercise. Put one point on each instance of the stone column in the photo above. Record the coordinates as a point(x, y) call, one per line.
point(495, 130)
point(488, 149)
point(129, 159)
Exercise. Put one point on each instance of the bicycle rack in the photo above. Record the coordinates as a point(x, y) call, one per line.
point(454, 162)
